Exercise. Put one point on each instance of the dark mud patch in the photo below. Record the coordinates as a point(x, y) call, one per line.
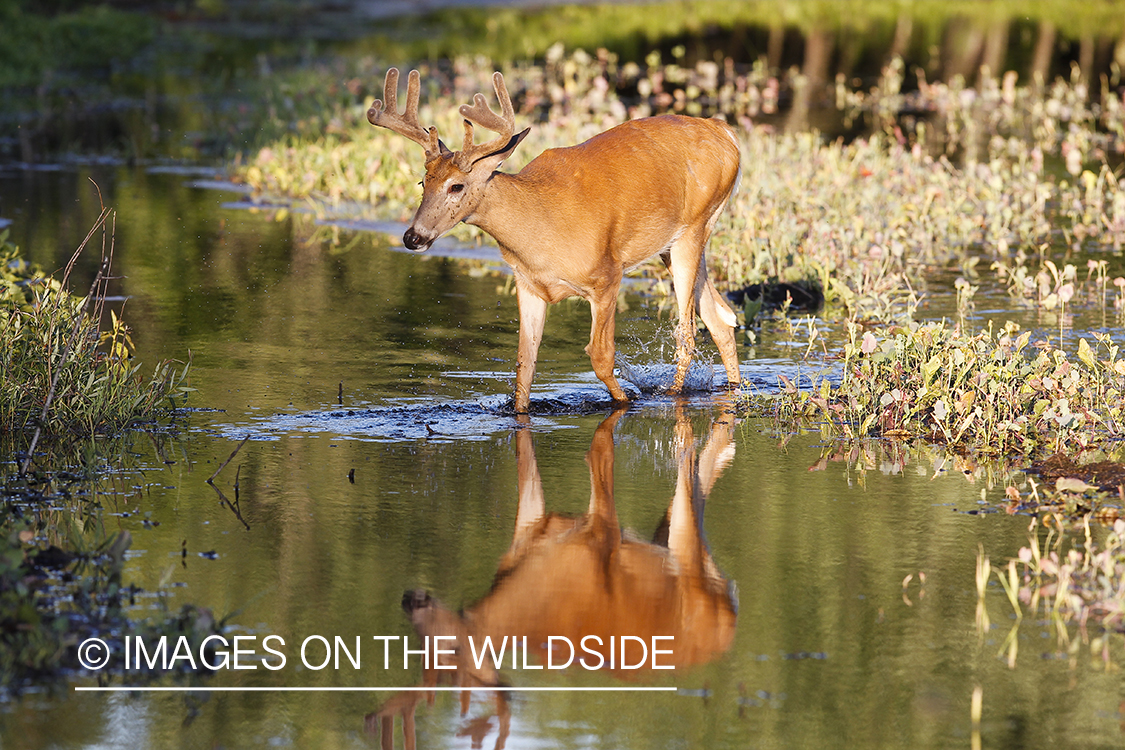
point(456, 420)
point(480, 418)
point(1107, 475)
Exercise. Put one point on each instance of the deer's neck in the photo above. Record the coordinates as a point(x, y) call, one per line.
point(511, 211)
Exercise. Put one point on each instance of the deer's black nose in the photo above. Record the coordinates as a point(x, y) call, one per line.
point(415, 241)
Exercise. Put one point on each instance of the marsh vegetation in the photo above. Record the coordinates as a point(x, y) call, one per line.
point(69, 383)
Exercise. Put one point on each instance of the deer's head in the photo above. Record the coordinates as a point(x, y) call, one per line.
point(455, 181)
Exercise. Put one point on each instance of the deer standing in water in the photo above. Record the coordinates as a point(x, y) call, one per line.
point(576, 577)
point(576, 219)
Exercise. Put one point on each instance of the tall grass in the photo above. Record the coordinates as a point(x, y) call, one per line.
point(64, 373)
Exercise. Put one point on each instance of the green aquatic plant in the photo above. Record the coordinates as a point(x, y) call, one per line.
point(988, 393)
point(64, 374)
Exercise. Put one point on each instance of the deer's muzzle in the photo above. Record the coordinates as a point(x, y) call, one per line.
point(415, 241)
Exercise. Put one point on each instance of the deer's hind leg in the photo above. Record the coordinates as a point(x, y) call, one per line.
point(696, 293)
point(716, 313)
point(685, 261)
point(720, 321)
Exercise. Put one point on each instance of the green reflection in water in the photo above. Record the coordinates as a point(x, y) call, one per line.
point(827, 651)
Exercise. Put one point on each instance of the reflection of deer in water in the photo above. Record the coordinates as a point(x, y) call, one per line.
point(578, 577)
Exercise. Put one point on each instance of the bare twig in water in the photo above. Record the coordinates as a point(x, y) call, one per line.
point(211, 479)
point(234, 507)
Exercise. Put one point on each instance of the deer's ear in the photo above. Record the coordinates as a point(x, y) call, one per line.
point(493, 160)
point(442, 148)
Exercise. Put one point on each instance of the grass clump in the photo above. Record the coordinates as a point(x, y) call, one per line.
point(994, 394)
point(63, 373)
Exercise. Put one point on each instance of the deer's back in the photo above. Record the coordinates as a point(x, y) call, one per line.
point(664, 150)
point(618, 198)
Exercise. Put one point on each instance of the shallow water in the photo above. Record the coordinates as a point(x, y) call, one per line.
point(372, 384)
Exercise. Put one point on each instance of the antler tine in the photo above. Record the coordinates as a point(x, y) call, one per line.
point(481, 114)
point(405, 124)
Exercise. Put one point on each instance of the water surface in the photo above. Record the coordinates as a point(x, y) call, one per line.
point(382, 460)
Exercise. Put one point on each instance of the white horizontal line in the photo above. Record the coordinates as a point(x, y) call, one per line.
point(443, 689)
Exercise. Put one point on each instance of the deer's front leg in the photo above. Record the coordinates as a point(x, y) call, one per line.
point(603, 313)
point(533, 315)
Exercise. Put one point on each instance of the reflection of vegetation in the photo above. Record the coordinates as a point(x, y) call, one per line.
point(60, 569)
point(1069, 578)
point(61, 373)
point(1085, 585)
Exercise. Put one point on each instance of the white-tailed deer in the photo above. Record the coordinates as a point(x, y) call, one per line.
point(576, 219)
point(567, 577)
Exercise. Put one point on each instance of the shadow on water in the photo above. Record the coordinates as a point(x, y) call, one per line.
point(579, 591)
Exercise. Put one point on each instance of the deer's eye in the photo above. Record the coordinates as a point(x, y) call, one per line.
point(456, 188)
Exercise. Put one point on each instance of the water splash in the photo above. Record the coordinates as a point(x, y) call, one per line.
point(656, 378)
